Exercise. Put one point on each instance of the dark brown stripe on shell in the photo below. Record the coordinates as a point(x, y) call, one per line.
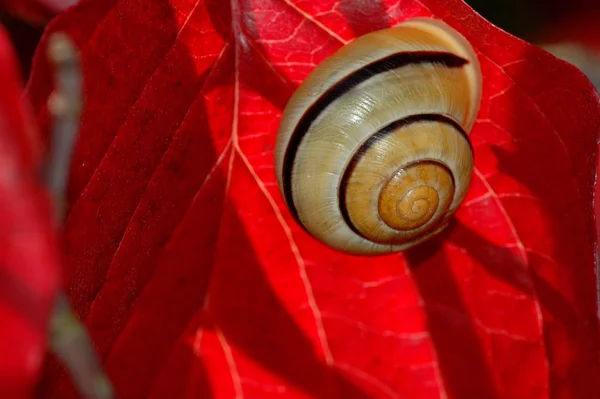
point(391, 62)
point(379, 135)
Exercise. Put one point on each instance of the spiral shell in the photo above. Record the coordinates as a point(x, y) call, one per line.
point(372, 153)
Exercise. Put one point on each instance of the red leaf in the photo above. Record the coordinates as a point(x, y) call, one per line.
point(194, 279)
point(28, 264)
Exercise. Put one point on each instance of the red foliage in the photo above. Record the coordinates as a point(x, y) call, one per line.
point(28, 265)
point(193, 278)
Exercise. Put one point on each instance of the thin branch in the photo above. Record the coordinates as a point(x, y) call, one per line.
point(69, 339)
point(65, 106)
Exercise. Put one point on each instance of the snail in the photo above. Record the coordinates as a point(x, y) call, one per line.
point(372, 154)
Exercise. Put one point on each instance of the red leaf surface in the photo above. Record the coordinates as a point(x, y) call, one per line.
point(28, 263)
point(194, 279)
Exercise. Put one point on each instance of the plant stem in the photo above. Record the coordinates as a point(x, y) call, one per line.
point(69, 339)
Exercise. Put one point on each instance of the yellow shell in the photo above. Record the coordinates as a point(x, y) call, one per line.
point(372, 152)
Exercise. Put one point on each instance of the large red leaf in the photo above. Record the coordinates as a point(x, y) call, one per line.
point(194, 279)
point(28, 263)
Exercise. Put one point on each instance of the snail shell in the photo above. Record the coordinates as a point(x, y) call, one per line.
point(372, 152)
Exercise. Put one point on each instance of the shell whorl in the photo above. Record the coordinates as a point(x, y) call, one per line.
point(372, 152)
